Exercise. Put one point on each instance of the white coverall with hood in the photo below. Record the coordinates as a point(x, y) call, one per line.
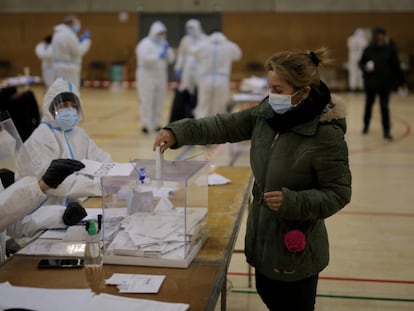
point(49, 142)
point(186, 62)
point(356, 45)
point(215, 56)
point(152, 76)
point(44, 52)
point(16, 201)
point(67, 53)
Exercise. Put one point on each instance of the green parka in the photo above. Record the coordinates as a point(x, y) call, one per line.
point(309, 163)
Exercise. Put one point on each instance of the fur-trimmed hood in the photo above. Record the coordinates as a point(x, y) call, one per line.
point(335, 110)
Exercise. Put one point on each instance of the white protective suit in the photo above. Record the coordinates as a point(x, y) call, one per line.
point(186, 62)
point(49, 142)
point(44, 52)
point(152, 76)
point(16, 201)
point(67, 53)
point(356, 45)
point(215, 56)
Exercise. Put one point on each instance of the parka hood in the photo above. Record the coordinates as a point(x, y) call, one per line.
point(61, 85)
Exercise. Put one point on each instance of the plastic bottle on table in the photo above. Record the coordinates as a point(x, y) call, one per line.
point(93, 252)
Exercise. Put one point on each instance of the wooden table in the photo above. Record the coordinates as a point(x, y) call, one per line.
point(199, 285)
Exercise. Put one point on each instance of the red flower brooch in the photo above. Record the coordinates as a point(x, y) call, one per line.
point(295, 241)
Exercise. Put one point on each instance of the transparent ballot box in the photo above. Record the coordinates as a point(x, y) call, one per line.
point(157, 216)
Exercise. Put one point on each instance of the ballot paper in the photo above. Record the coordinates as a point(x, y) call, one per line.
point(43, 299)
point(216, 179)
point(136, 283)
point(105, 302)
point(99, 169)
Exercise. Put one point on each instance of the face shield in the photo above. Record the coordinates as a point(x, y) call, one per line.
point(11, 145)
point(66, 110)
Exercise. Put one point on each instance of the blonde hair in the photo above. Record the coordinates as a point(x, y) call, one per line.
point(299, 68)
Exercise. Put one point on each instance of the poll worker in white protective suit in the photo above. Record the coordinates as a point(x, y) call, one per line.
point(25, 195)
point(68, 49)
point(44, 52)
point(186, 67)
point(58, 136)
point(153, 55)
point(215, 56)
point(356, 45)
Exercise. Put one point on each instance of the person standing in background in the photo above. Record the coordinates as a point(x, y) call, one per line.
point(186, 72)
point(68, 49)
point(381, 72)
point(356, 45)
point(215, 56)
point(153, 56)
point(44, 52)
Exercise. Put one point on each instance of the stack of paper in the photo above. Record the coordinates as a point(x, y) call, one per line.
point(159, 233)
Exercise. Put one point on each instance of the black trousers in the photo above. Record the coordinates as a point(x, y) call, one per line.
point(287, 296)
point(384, 97)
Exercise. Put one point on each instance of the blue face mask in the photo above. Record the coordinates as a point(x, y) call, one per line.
point(281, 103)
point(76, 27)
point(67, 118)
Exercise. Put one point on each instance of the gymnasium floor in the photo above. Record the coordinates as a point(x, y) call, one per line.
point(372, 239)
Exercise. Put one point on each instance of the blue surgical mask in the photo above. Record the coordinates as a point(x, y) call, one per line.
point(76, 27)
point(281, 103)
point(67, 118)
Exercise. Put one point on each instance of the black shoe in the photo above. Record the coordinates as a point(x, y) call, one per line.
point(144, 130)
point(388, 137)
point(365, 130)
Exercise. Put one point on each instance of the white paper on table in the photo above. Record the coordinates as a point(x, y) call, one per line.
point(216, 179)
point(136, 283)
point(105, 302)
point(43, 299)
point(99, 169)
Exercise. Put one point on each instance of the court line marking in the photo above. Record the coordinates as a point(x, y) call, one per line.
point(238, 291)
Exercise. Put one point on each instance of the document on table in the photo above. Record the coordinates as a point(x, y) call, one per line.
point(105, 302)
point(49, 247)
point(99, 169)
point(136, 283)
point(43, 299)
point(46, 299)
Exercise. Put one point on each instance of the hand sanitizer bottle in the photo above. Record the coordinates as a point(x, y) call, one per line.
point(93, 252)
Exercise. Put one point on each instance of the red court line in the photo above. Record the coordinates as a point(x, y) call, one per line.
point(364, 213)
point(329, 278)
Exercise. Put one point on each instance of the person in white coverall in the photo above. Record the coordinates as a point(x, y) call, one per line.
point(68, 49)
point(215, 56)
point(186, 67)
point(22, 197)
point(58, 136)
point(44, 52)
point(153, 56)
point(356, 45)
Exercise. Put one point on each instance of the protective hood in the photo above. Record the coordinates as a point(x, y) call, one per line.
point(156, 28)
point(62, 27)
point(61, 85)
point(217, 37)
point(195, 25)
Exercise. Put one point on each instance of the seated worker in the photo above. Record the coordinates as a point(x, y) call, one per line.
point(20, 198)
point(58, 136)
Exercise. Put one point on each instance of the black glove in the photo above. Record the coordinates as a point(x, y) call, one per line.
point(59, 169)
point(74, 213)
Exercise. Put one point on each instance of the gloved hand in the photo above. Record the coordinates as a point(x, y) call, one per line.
point(86, 35)
point(74, 213)
point(59, 169)
point(177, 74)
point(164, 51)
